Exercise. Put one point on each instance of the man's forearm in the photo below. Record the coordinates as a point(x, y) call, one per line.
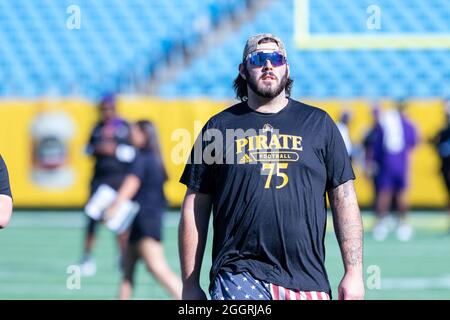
point(348, 225)
point(192, 236)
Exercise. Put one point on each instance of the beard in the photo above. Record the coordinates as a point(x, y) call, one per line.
point(269, 92)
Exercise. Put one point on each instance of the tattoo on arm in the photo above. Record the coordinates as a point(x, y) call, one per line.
point(347, 223)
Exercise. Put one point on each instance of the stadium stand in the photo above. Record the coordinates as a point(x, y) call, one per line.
point(125, 41)
point(116, 40)
point(335, 73)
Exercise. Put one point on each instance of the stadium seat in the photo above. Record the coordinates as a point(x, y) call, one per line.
point(112, 34)
point(118, 41)
point(336, 73)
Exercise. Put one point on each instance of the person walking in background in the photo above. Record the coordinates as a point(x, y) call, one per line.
point(393, 139)
point(144, 184)
point(342, 125)
point(111, 148)
point(442, 143)
point(370, 166)
point(6, 203)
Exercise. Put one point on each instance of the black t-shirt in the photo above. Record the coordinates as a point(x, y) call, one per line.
point(442, 141)
point(117, 131)
point(148, 168)
point(270, 217)
point(4, 179)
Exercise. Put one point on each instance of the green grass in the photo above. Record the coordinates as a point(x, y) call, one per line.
point(37, 248)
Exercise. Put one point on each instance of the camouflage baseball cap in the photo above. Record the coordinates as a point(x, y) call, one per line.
point(252, 44)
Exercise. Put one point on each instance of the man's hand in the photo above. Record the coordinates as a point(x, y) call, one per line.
point(351, 287)
point(193, 292)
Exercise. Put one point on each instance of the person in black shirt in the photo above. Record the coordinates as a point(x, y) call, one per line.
point(6, 204)
point(111, 148)
point(144, 184)
point(264, 166)
point(442, 143)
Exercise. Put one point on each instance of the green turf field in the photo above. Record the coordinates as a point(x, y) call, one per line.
point(37, 248)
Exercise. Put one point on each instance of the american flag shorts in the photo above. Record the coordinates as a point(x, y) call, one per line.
point(243, 286)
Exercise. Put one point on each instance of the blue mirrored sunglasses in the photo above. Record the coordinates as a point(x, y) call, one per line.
point(258, 59)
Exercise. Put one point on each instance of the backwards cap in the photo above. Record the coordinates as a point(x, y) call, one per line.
point(252, 44)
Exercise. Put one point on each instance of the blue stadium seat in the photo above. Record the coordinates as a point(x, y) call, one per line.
point(111, 35)
point(337, 73)
point(119, 39)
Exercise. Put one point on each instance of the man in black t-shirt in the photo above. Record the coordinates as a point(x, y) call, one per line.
point(110, 146)
point(264, 166)
point(5, 195)
point(442, 144)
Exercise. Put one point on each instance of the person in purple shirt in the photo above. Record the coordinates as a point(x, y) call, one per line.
point(393, 138)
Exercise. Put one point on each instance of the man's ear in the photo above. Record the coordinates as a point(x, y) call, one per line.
point(288, 70)
point(242, 71)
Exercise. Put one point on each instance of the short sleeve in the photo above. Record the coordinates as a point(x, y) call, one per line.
point(139, 165)
point(197, 174)
point(338, 165)
point(5, 188)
